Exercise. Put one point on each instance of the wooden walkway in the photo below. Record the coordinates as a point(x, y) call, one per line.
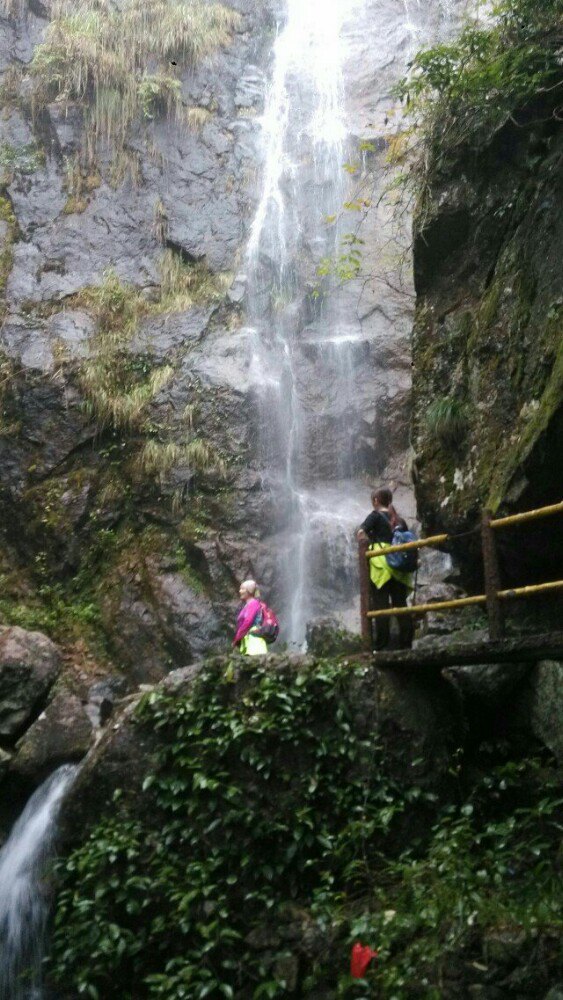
point(498, 648)
point(521, 649)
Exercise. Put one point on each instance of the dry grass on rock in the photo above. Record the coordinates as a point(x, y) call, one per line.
point(119, 62)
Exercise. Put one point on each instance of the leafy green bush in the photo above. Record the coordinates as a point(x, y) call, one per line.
point(461, 93)
point(491, 868)
point(270, 806)
point(253, 803)
point(67, 617)
point(23, 159)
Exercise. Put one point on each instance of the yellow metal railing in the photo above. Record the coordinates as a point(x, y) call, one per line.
point(493, 595)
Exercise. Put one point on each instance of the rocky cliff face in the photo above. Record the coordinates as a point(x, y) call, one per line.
point(487, 341)
point(117, 285)
point(131, 486)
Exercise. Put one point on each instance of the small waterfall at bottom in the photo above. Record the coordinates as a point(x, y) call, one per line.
point(24, 899)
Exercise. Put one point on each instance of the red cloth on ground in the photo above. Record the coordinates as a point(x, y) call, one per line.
point(360, 959)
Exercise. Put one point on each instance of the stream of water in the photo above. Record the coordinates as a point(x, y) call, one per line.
point(310, 352)
point(24, 890)
point(301, 342)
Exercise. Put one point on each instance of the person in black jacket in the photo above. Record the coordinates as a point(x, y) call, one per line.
point(378, 527)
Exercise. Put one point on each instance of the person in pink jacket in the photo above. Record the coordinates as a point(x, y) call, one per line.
point(249, 619)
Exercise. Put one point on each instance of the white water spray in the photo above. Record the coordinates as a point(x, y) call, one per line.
point(24, 896)
point(312, 354)
point(304, 138)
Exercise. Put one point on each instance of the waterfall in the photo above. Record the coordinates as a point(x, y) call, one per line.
point(24, 895)
point(321, 442)
point(303, 348)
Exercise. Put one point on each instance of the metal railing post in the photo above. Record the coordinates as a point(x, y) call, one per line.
point(492, 577)
point(365, 623)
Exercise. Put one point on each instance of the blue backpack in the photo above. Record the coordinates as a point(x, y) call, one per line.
point(406, 562)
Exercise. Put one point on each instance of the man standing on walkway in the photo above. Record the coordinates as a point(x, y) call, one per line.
point(389, 587)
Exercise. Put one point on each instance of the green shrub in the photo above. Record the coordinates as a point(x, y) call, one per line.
point(266, 804)
point(255, 801)
point(461, 93)
point(23, 159)
point(66, 616)
point(490, 868)
point(446, 420)
point(7, 249)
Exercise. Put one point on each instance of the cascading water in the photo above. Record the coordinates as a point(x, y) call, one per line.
point(312, 353)
point(24, 899)
point(302, 345)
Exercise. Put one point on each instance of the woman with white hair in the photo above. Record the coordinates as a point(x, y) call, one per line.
point(249, 620)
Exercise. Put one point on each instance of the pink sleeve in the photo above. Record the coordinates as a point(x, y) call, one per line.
point(245, 619)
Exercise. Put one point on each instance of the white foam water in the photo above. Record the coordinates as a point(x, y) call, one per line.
point(24, 892)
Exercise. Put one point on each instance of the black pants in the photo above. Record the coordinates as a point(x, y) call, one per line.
point(392, 594)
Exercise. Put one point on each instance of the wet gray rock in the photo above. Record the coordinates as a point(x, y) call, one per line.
point(63, 733)
point(327, 638)
point(556, 993)
point(5, 759)
point(136, 635)
point(545, 702)
point(189, 612)
point(173, 332)
point(237, 290)
point(203, 184)
point(29, 344)
point(162, 620)
point(29, 665)
point(103, 698)
point(72, 330)
point(198, 176)
point(488, 683)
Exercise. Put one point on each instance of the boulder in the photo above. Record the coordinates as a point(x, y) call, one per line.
point(164, 620)
point(62, 733)
point(327, 638)
point(546, 705)
point(488, 683)
point(5, 759)
point(29, 665)
point(416, 718)
point(102, 699)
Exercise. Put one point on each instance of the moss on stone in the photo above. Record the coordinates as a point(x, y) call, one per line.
point(536, 424)
point(498, 349)
point(75, 205)
point(6, 252)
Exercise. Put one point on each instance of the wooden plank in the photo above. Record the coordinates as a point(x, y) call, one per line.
point(522, 649)
point(528, 515)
